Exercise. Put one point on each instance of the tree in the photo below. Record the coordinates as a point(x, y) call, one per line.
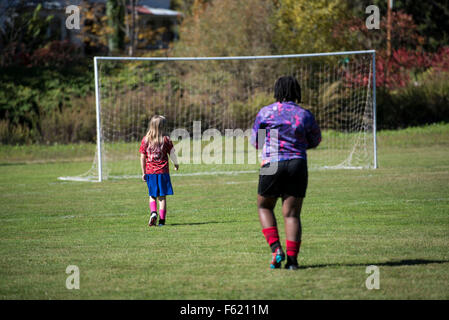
point(225, 28)
point(304, 26)
point(354, 33)
point(131, 27)
point(187, 6)
point(23, 32)
point(431, 18)
point(95, 30)
point(115, 11)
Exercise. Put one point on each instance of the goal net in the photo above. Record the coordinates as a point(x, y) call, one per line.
point(225, 93)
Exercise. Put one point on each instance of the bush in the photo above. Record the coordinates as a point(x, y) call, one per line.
point(71, 124)
point(13, 134)
point(56, 54)
point(36, 103)
point(421, 102)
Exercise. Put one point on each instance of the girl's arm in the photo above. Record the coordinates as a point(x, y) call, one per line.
point(174, 158)
point(142, 165)
point(143, 156)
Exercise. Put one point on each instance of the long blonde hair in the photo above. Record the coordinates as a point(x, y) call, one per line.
point(156, 131)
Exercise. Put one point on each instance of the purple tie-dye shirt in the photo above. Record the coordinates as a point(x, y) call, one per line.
point(296, 127)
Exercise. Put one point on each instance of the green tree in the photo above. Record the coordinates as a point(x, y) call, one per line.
point(22, 33)
point(308, 26)
point(225, 28)
point(184, 6)
point(115, 11)
point(95, 30)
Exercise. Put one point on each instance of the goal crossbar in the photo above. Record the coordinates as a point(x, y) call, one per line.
point(282, 56)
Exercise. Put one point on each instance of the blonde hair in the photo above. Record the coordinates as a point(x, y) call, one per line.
point(156, 131)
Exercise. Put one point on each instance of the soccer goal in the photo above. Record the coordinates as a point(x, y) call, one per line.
point(224, 93)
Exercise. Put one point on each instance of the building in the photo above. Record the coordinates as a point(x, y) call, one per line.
point(151, 15)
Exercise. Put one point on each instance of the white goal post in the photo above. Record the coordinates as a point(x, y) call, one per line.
point(226, 93)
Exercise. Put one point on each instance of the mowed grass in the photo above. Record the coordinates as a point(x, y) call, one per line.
point(395, 217)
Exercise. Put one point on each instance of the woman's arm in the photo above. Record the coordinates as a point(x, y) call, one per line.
point(313, 133)
point(254, 140)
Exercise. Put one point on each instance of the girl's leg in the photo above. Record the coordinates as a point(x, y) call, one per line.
point(162, 209)
point(269, 228)
point(153, 204)
point(291, 210)
point(153, 212)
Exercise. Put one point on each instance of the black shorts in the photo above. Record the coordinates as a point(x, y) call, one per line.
point(289, 179)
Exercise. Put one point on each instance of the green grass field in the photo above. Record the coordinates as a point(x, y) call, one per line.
point(395, 217)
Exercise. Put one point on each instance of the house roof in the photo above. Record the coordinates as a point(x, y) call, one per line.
point(52, 5)
point(46, 4)
point(156, 11)
point(60, 4)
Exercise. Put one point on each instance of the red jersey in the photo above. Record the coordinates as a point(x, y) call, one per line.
point(156, 161)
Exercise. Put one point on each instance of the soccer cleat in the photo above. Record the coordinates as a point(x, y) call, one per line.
point(161, 222)
point(292, 264)
point(291, 267)
point(153, 218)
point(278, 257)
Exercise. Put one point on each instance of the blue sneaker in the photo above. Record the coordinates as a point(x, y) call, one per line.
point(278, 257)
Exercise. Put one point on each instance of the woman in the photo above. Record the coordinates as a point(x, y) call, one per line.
point(290, 131)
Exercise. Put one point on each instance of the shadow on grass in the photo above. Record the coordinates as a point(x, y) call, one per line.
point(405, 262)
point(195, 223)
point(5, 164)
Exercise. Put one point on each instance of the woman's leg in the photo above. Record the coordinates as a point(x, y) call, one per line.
point(265, 207)
point(291, 210)
point(267, 219)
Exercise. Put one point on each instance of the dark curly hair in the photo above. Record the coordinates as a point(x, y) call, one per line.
point(287, 88)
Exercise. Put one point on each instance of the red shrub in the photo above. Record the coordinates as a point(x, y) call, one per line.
point(56, 53)
point(440, 60)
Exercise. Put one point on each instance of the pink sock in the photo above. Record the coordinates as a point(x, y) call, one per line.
point(162, 214)
point(153, 206)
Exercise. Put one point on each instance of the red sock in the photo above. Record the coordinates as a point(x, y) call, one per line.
point(271, 235)
point(162, 214)
point(153, 206)
point(293, 248)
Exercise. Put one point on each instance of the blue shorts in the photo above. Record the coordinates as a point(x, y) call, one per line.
point(159, 185)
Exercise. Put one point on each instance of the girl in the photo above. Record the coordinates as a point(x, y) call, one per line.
point(297, 131)
point(154, 149)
